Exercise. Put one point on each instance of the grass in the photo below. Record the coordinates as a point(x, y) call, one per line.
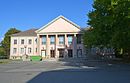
point(4, 61)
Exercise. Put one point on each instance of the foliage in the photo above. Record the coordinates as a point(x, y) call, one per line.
point(2, 51)
point(110, 20)
point(6, 41)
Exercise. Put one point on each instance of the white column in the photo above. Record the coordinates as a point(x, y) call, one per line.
point(74, 46)
point(56, 44)
point(66, 40)
point(47, 46)
point(66, 45)
point(38, 45)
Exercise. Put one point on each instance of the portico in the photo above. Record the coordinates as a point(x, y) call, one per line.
point(56, 48)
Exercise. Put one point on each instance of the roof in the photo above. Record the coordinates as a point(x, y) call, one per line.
point(56, 20)
point(30, 32)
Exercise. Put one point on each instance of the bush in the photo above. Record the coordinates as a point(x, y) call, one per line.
point(36, 58)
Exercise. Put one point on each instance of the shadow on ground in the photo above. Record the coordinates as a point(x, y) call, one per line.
point(101, 63)
point(81, 76)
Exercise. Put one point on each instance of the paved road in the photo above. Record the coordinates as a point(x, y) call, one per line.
point(64, 72)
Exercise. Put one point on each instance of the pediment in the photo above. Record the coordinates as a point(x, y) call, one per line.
point(60, 24)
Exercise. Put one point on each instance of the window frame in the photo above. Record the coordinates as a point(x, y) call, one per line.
point(29, 41)
point(52, 39)
point(61, 39)
point(14, 50)
point(29, 50)
point(22, 41)
point(22, 51)
point(44, 40)
point(15, 41)
point(70, 42)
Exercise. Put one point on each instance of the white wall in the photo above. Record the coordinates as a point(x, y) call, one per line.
point(33, 46)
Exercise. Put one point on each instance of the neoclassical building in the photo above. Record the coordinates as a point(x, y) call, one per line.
point(60, 38)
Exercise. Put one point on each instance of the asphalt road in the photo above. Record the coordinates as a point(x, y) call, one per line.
point(64, 72)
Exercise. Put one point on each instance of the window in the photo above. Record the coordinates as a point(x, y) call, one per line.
point(78, 39)
point(36, 50)
point(43, 40)
point(36, 40)
point(22, 41)
point(70, 38)
point(52, 39)
point(29, 50)
point(22, 50)
point(29, 41)
point(14, 50)
point(61, 39)
point(15, 41)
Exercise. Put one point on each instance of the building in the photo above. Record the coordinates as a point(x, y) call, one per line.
point(60, 38)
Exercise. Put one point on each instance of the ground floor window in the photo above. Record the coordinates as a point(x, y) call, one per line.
point(22, 50)
point(29, 50)
point(70, 53)
point(14, 50)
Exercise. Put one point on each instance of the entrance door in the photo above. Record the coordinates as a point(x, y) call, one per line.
point(70, 53)
point(43, 53)
point(52, 53)
point(61, 53)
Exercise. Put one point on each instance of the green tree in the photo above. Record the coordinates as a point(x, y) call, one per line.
point(110, 22)
point(6, 41)
point(121, 36)
point(2, 51)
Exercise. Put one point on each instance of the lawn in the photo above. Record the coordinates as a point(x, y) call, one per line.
point(4, 61)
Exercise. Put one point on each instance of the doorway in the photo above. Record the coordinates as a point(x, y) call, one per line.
point(43, 53)
point(52, 53)
point(61, 53)
point(70, 53)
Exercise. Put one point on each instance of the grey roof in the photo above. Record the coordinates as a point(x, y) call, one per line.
point(30, 32)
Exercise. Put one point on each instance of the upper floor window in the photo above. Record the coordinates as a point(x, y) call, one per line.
point(29, 50)
point(78, 39)
point(22, 41)
point(14, 50)
point(43, 40)
point(29, 41)
point(70, 39)
point(61, 39)
point(15, 41)
point(36, 40)
point(52, 39)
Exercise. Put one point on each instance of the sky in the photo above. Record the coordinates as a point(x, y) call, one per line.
point(27, 14)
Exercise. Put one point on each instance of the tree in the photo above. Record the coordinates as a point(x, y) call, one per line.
point(121, 37)
point(110, 21)
point(6, 41)
point(2, 51)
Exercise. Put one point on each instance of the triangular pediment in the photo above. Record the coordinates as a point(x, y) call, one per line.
point(60, 24)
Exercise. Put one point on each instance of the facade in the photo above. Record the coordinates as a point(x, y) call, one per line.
point(60, 38)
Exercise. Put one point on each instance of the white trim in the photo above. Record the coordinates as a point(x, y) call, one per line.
point(55, 20)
